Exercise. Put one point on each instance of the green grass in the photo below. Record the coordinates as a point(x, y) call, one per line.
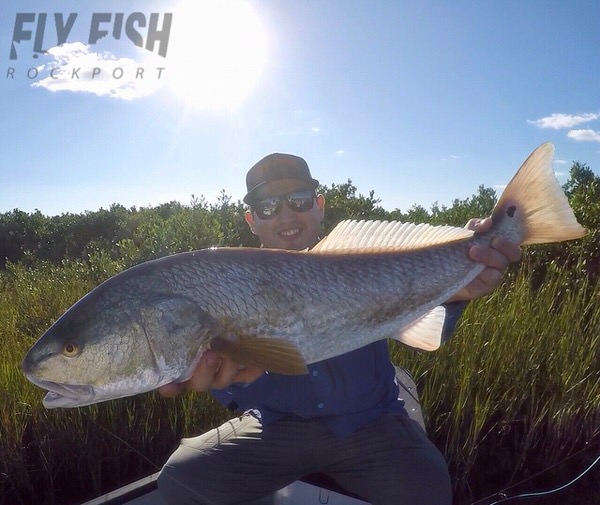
point(518, 385)
point(66, 456)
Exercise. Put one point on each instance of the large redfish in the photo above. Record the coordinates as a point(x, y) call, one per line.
point(281, 310)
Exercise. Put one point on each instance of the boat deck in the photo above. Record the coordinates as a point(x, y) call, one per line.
point(143, 492)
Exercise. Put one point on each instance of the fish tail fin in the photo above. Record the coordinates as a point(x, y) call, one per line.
point(545, 214)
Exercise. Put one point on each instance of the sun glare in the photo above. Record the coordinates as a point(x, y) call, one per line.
point(217, 52)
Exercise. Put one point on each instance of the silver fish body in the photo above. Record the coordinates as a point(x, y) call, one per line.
point(147, 326)
point(280, 310)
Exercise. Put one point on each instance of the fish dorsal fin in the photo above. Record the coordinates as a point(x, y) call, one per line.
point(370, 236)
point(269, 354)
point(425, 333)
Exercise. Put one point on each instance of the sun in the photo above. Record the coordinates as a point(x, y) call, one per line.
point(217, 52)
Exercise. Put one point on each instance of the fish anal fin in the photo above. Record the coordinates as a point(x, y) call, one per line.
point(269, 354)
point(426, 332)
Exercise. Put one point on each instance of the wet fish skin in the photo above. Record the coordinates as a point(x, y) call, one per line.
point(280, 310)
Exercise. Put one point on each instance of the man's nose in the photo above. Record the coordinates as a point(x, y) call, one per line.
point(286, 212)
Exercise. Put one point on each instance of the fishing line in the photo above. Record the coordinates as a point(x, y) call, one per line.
point(192, 491)
point(505, 498)
point(551, 491)
point(122, 440)
point(501, 494)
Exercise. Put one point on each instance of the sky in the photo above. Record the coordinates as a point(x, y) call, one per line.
point(420, 102)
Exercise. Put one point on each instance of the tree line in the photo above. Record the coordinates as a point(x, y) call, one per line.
point(130, 236)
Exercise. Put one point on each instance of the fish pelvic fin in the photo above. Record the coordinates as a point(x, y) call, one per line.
point(269, 354)
point(544, 214)
point(426, 332)
point(387, 236)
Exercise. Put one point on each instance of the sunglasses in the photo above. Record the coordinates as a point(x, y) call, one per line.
point(298, 201)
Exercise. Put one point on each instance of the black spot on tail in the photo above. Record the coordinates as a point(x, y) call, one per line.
point(510, 212)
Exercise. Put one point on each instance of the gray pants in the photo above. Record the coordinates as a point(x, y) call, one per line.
point(389, 462)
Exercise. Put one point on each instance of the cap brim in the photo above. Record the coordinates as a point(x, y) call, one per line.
point(280, 187)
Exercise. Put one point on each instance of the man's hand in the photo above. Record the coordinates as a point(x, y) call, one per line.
point(496, 259)
point(212, 372)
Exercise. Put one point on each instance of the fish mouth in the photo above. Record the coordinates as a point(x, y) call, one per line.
point(64, 395)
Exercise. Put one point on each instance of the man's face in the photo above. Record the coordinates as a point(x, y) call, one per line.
point(289, 229)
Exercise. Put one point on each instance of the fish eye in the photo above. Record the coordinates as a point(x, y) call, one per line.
point(70, 349)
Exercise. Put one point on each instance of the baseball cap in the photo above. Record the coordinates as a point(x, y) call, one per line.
point(277, 174)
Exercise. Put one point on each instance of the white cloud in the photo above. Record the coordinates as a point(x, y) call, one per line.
point(584, 135)
point(451, 157)
point(558, 121)
point(73, 67)
point(340, 152)
point(307, 121)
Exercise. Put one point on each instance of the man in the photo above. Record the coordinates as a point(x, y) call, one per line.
point(343, 418)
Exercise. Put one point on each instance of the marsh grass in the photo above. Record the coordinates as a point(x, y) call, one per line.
point(67, 456)
point(518, 386)
point(516, 389)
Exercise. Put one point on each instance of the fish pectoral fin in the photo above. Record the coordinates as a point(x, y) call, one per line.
point(269, 354)
point(426, 332)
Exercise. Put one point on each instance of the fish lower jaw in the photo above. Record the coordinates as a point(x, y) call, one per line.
point(83, 395)
point(65, 395)
point(53, 400)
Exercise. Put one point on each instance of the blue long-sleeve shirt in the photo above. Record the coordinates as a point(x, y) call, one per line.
point(346, 392)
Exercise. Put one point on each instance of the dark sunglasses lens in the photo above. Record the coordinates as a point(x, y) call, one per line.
point(298, 201)
point(301, 201)
point(268, 208)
